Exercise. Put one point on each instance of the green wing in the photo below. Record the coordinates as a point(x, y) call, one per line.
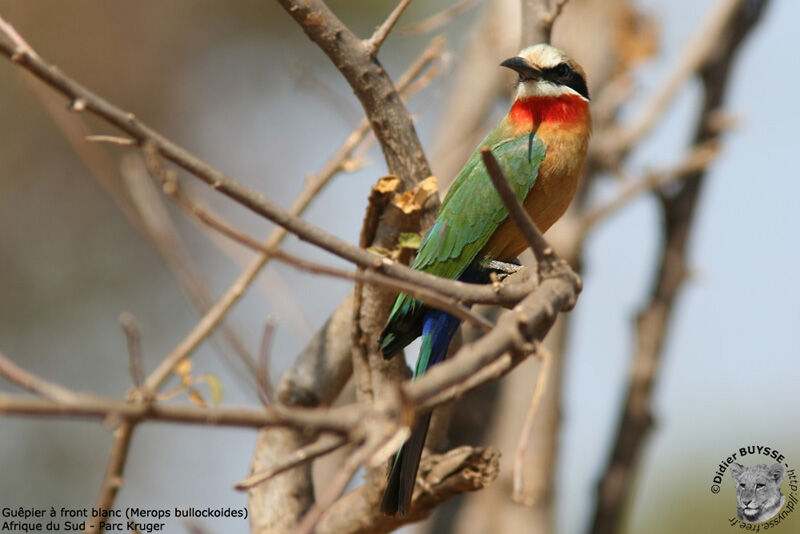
point(469, 216)
point(473, 210)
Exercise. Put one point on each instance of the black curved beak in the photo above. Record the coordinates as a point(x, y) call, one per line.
point(522, 67)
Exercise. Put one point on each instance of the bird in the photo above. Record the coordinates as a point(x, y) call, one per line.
point(541, 146)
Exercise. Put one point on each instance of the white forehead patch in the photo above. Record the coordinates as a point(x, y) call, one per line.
point(543, 56)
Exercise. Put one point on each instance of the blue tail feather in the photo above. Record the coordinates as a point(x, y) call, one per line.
point(437, 329)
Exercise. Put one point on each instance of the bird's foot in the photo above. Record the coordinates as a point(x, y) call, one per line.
point(503, 267)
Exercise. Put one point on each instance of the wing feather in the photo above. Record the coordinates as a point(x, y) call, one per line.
point(473, 210)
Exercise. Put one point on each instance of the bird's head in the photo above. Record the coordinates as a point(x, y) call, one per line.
point(546, 71)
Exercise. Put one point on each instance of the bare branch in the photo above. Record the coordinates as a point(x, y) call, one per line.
point(112, 479)
point(21, 46)
point(373, 44)
point(309, 453)
point(442, 476)
point(388, 116)
point(699, 158)
point(111, 139)
point(499, 351)
point(337, 420)
point(525, 224)
point(524, 437)
point(430, 297)
point(538, 17)
point(336, 486)
point(266, 390)
point(438, 20)
point(35, 384)
point(702, 47)
point(133, 338)
point(736, 19)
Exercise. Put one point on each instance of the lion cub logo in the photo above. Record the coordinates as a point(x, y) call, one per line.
point(758, 491)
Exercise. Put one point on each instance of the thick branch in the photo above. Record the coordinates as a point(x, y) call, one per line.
point(444, 476)
point(499, 351)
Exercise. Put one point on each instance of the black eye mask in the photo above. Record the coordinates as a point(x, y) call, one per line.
point(563, 74)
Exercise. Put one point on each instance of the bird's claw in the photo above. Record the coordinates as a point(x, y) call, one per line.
point(503, 267)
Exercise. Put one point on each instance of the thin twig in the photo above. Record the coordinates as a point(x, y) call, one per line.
point(21, 45)
point(335, 487)
point(133, 338)
point(259, 204)
point(112, 479)
point(522, 445)
point(538, 18)
point(555, 12)
point(436, 21)
point(699, 48)
point(111, 139)
point(337, 420)
point(373, 44)
point(432, 298)
point(309, 453)
point(160, 228)
point(266, 391)
point(34, 383)
point(542, 250)
point(698, 159)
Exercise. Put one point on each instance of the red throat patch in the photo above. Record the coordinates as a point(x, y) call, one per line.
point(565, 109)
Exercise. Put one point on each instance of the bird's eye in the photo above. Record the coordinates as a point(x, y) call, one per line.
point(562, 69)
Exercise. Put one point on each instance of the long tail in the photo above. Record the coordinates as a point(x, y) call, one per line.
point(438, 329)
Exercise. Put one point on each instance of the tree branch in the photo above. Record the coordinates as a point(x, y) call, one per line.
point(542, 250)
point(538, 17)
point(373, 44)
point(337, 420)
point(31, 382)
point(442, 476)
point(678, 210)
point(507, 294)
point(388, 116)
point(309, 453)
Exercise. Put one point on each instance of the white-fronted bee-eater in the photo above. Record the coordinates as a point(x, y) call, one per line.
point(541, 147)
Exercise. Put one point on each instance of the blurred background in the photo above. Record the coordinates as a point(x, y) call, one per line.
point(239, 84)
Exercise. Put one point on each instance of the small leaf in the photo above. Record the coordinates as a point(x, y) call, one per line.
point(214, 388)
point(409, 240)
point(197, 398)
point(380, 251)
point(183, 369)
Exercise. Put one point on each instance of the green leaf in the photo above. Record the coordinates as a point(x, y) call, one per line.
point(380, 251)
point(214, 387)
point(409, 240)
